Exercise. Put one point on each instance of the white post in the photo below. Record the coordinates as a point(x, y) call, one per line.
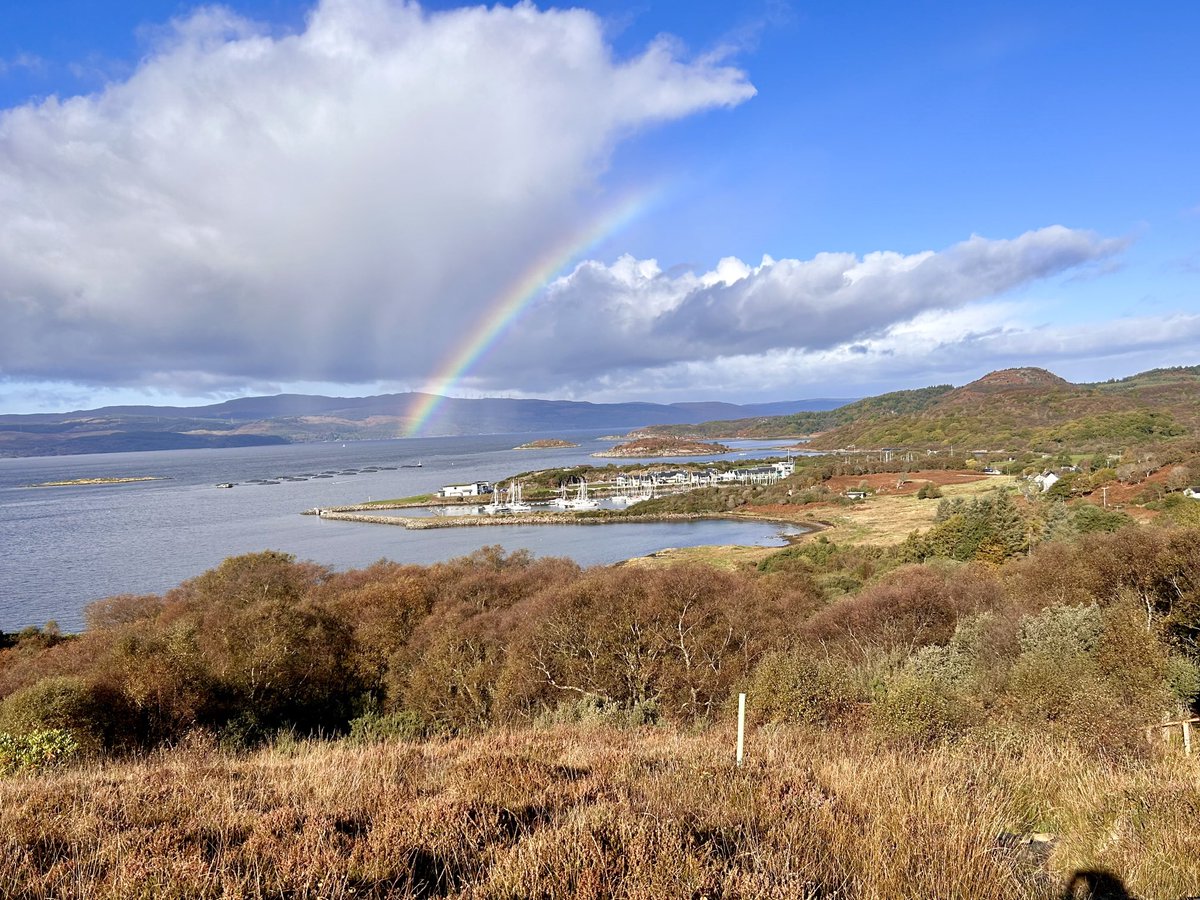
point(741, 727)
point(1187, 737)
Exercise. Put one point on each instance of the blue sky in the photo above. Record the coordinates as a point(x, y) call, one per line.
point(267, 196)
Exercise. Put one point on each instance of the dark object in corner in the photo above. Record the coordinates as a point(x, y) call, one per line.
point(1096, 884)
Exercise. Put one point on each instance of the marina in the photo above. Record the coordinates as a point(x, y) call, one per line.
point(99, 540)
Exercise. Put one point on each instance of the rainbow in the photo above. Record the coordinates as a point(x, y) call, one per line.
point(514, 300)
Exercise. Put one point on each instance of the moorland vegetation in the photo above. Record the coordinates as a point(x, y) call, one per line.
point(500, 723)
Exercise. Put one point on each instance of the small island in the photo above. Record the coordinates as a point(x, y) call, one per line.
point(75, 482)
point(663, 446)
point(546, 444)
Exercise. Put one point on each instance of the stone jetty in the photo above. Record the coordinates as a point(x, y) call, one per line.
point(424, 522)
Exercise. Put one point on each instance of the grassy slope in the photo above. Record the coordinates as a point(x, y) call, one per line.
point(594, 812)
point(895, 403)
point(1008, 410)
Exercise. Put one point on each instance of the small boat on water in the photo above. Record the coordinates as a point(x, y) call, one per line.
point(225, 484)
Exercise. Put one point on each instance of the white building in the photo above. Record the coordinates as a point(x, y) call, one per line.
point(474, 489)
point(1045, 481)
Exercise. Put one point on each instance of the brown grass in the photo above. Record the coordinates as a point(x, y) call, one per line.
point(888, 516)
point(595, 812)
point(726, 557)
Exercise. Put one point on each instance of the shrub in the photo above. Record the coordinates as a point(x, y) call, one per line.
point(794, 687)
point(1062, 630)
point(914, 710)
point(955, 666)
point(373, 728)
point(36, 750)
point(597, 712)
point(1064, 692)
point(60, 703)
point(1183, 679)
point(913, 606)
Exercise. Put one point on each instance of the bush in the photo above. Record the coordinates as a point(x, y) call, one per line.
point(595, 711)
point(1088, 519)
point(955, 666)
point(1183, 679)
point(58, 704)
point(1062, 630)
point(1064, 692)
point(36, 750)
point(373, 728)
point(914, 710)
point(793, 687)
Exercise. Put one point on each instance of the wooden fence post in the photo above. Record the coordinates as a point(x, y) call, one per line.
point(741, 742)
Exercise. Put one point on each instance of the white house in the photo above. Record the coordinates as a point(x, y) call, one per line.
point(474, 489)
point(674, 476)
point(1045, 481)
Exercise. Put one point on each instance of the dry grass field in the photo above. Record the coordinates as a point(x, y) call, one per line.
point(591, 811)
point(887, 516)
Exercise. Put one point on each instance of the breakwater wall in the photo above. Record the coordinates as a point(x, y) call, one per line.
point(425, 522)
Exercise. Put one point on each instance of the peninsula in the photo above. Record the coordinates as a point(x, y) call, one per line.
point(547, 444)
point(662, 446)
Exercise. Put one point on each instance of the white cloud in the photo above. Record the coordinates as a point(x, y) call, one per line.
point(934, 347)
point(631, 316)
point(26, 61)
point(336, 204)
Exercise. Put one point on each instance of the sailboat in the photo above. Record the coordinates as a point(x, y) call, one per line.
point(508, 502)
point(581, 501)
point(515, 503)
point(561, 501)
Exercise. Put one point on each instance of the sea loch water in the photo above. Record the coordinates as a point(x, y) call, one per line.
point(63, 547)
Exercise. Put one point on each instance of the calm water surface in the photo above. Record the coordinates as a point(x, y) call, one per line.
point(66, 546)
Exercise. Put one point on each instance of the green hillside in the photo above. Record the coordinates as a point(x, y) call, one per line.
point(896, 403)
point(1012, 409)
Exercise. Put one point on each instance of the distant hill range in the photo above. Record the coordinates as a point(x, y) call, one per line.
point(292, 418)
point(1012, 409)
